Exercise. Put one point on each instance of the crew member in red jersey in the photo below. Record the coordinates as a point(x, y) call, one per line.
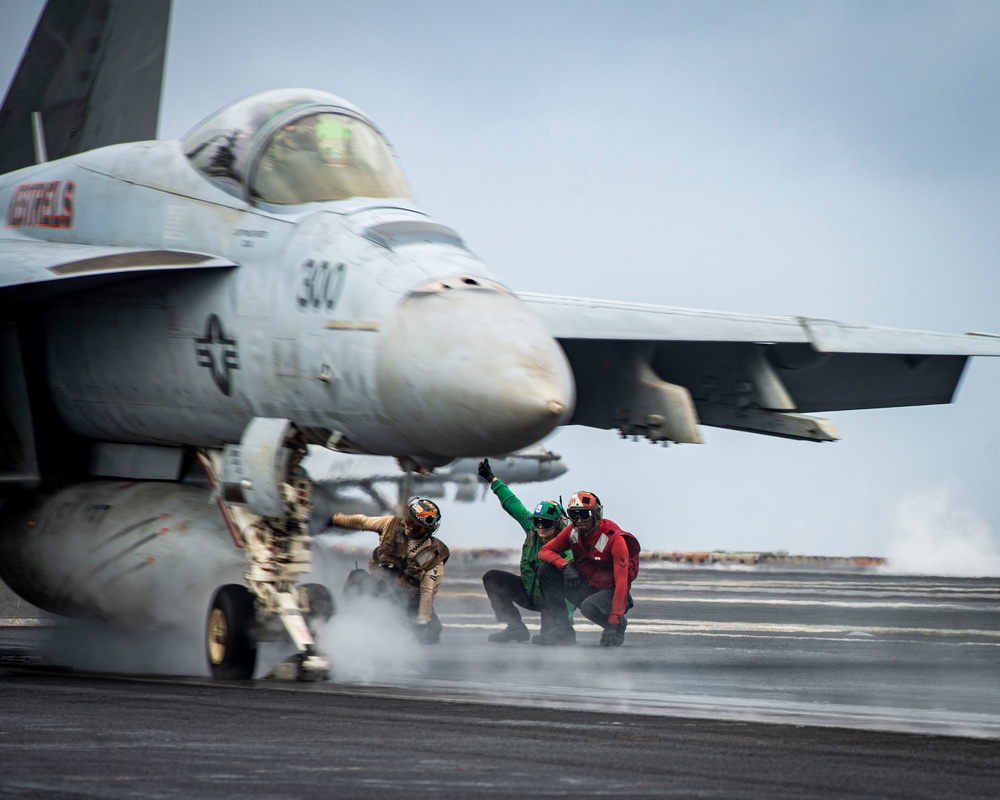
point(597, 580)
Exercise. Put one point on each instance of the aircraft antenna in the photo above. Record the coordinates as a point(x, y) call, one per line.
point(39, 136)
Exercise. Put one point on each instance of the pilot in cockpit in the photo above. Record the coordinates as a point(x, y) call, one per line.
point(333, 142)
point(293, 169)
point(321, 157)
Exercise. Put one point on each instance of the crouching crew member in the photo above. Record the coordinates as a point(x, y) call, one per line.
point(506, 590)
point(597, 580)
point(408, 560)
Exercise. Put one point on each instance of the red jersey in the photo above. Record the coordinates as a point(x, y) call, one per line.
point(607, 558)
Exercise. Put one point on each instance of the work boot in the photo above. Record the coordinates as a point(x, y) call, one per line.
point(514, 632)
point(614, 636)
point(556, 637)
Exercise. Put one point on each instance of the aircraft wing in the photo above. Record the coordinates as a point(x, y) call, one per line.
point(32, 269)
point(659, 371)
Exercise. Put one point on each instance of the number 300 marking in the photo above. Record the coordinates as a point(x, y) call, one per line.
point(321, 285)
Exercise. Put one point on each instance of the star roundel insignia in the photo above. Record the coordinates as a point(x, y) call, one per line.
point(218, 353)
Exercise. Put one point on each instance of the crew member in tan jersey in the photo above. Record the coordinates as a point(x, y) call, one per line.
point(408, 559)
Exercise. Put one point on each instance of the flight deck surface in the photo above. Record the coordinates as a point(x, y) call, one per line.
point(879, 686)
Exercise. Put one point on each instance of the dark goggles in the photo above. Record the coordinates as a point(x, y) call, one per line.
point(543, 523)
point(579, 514)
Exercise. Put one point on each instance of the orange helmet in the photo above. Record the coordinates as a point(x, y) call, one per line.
point(584, 504)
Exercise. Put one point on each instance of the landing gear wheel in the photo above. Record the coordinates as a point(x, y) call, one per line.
point(231, 645)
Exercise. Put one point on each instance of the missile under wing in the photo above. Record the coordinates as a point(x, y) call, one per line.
point(373, 485)
point(218, 304)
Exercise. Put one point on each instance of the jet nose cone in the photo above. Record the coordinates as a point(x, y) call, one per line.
point(472, 372)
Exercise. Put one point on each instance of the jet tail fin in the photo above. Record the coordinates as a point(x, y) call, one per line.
point(94, 72)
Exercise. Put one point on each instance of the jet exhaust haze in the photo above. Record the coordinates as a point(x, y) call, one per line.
point(940, 532)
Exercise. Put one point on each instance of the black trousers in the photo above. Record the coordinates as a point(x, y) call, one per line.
point(594, 604)
point(505, 591)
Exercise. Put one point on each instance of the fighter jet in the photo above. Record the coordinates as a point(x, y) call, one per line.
point(217, 304)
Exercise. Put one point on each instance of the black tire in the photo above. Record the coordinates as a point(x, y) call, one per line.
point(230, 642)
point(319, 600)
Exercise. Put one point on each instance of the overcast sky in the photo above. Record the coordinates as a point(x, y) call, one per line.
point(837, 160)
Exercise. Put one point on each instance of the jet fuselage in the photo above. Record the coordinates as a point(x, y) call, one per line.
point(362, 320)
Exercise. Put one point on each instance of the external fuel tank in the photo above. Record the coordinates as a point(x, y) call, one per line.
point(137, 554)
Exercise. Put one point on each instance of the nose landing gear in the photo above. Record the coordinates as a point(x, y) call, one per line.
point(266, 500)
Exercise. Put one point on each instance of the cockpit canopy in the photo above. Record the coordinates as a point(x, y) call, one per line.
point(291, 146)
